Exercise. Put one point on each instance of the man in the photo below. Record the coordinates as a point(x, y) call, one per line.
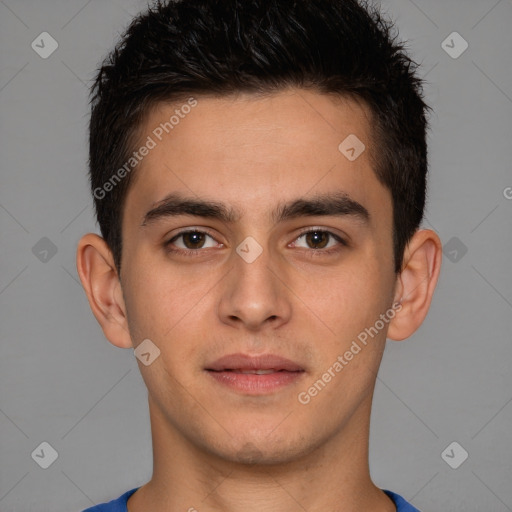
point(258, 169)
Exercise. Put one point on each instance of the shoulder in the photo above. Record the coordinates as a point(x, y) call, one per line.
point(401, 504)
point(118, 505)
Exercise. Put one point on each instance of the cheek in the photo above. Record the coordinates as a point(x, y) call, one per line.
point(351, 300)
point(167, 306)
point(153, 302)
point(159, 310)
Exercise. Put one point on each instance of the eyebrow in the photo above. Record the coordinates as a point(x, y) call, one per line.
point(331, 204)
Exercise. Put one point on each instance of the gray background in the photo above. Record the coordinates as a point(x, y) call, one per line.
point(63, 383)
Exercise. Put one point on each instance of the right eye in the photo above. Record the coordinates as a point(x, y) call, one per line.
point(190, 241)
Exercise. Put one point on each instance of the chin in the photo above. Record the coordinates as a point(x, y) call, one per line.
point(260, 450)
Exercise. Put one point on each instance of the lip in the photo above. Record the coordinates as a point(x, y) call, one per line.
point(247, 362)
point(279, 373)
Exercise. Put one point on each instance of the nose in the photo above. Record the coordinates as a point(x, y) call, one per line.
point(254, 294)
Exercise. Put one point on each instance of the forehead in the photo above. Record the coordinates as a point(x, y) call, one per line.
point(253, 151)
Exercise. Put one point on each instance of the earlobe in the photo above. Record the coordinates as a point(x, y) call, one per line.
point(98, 274)
point(416, 283)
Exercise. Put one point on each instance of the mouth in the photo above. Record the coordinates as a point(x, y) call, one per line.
point(245, 363)
point(254, 372)
point(255, 375)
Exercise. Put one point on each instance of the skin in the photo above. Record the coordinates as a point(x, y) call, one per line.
point(220, 450)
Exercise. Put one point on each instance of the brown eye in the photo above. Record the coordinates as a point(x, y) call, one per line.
point(193, 240)
point(320, 241)
point(317, 239)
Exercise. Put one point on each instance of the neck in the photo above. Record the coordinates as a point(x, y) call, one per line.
point(334, 476)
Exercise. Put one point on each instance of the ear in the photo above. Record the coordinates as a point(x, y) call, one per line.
point(416, 283)
point(98, 274)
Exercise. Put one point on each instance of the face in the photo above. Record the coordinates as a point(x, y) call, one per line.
point(248, 233)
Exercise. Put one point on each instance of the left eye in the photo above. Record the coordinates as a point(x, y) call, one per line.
point(319, 239)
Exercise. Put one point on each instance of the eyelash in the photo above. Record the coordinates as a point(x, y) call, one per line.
point(311, 252)
point(342, 243)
